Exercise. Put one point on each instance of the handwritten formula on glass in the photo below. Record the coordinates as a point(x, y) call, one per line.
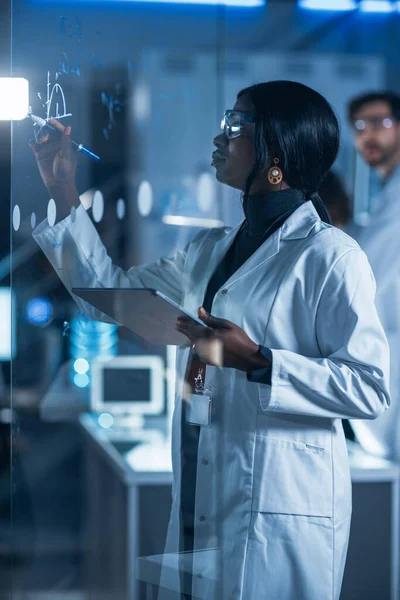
point(113, 106)
point(56, 104)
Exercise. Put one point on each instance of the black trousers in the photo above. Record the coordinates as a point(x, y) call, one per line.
point(189, 457)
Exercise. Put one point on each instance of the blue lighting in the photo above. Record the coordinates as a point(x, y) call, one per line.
point(244, 3)
point(377, 6)
point(81, 380)
point(81, 365)
point(337, 5)
point(39, 311)
point(89, 339)
point(366, 6)
point(237, 3)
point(106, 420)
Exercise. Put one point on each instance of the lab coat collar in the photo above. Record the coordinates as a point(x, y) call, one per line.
point(300, 222)
point(297, 226)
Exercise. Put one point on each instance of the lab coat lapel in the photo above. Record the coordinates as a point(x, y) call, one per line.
point(217, 253)
point(297, 226)
point(264, 253)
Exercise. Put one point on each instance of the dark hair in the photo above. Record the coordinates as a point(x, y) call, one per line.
point(393, 100)
point(335, 197)
point(298, 126)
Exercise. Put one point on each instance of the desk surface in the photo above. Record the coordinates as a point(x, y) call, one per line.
point(143, 457)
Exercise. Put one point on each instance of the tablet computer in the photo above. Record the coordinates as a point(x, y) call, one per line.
point(147, 312)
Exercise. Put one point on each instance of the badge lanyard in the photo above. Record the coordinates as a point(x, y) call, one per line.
point(199, 398)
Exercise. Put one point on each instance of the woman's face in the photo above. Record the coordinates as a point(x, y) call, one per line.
point(234, 159)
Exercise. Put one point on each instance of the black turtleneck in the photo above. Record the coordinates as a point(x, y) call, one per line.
point(264, 213)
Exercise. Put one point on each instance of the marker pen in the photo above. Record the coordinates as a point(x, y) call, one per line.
point(42, 123)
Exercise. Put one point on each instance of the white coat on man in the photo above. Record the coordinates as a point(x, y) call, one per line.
point(273, 489)
point(380, 240)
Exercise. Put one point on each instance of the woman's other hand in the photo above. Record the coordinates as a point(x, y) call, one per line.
point(222, 343)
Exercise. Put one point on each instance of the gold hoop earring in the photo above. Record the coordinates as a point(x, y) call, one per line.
point(275, 174)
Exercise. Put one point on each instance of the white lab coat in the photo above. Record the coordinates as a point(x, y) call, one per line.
point(273, 481)
point(380, 240)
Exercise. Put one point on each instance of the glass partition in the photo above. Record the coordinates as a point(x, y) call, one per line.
point(143, 86)
point(139, 86)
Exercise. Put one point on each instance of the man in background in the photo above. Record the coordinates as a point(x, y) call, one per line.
point(375, 119)
point(336, 199)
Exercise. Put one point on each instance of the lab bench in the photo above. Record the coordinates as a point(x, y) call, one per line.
point(128, 500)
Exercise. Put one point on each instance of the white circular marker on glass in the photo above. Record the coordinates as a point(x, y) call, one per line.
point(51, 212)
point(81, 380)
point(73, 214)
point(106, 420)
point(81, 365)
point(16, 217)
point(120, 208)
point(33, 220)
point(145, 199)
point(98, 206)
point(142, 102)
point(205, 192)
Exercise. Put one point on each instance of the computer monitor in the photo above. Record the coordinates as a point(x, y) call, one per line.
point(128, 385)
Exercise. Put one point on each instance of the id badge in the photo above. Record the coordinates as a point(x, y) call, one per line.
point(198, 410)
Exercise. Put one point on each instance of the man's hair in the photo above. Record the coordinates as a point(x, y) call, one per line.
point(393, 100)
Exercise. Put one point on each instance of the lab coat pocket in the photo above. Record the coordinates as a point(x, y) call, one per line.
point(291, 478)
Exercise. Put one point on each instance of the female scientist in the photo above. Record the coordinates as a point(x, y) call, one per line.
point(262, 491)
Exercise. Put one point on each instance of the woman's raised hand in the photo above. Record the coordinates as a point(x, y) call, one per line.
point(56, 157)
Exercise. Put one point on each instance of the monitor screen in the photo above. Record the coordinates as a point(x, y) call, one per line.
point(126, 385)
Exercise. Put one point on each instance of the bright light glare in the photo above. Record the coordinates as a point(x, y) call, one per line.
point(81, 380)
point(383, 6)
point(39, 311)
point(14, 98)
point(367, 6)
point(243, 3)
point(145, 198)
point(6, 325)
point(328, 4)
point(81, 365)
point(106, 420)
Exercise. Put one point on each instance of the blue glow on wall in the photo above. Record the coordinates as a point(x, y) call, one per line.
point(366, 6)
point(39, 311)
point(377, 6)
point(237, 3)
point(337, 5)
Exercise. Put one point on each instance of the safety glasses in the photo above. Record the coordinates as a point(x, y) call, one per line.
point(235, 123)
point(374, 123)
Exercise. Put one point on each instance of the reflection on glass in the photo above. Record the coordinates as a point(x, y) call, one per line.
point(90, 340)
point(39, 311)
point(141, 102)
point(51, 212)
point(145, 199)
point(98, 206)
point(106, 420)
point(206, 195)
point(16, 217)
point(121, 209)
point(7, 326)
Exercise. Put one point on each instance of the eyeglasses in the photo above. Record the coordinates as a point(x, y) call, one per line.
point(375, 124)
point(235, 123)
